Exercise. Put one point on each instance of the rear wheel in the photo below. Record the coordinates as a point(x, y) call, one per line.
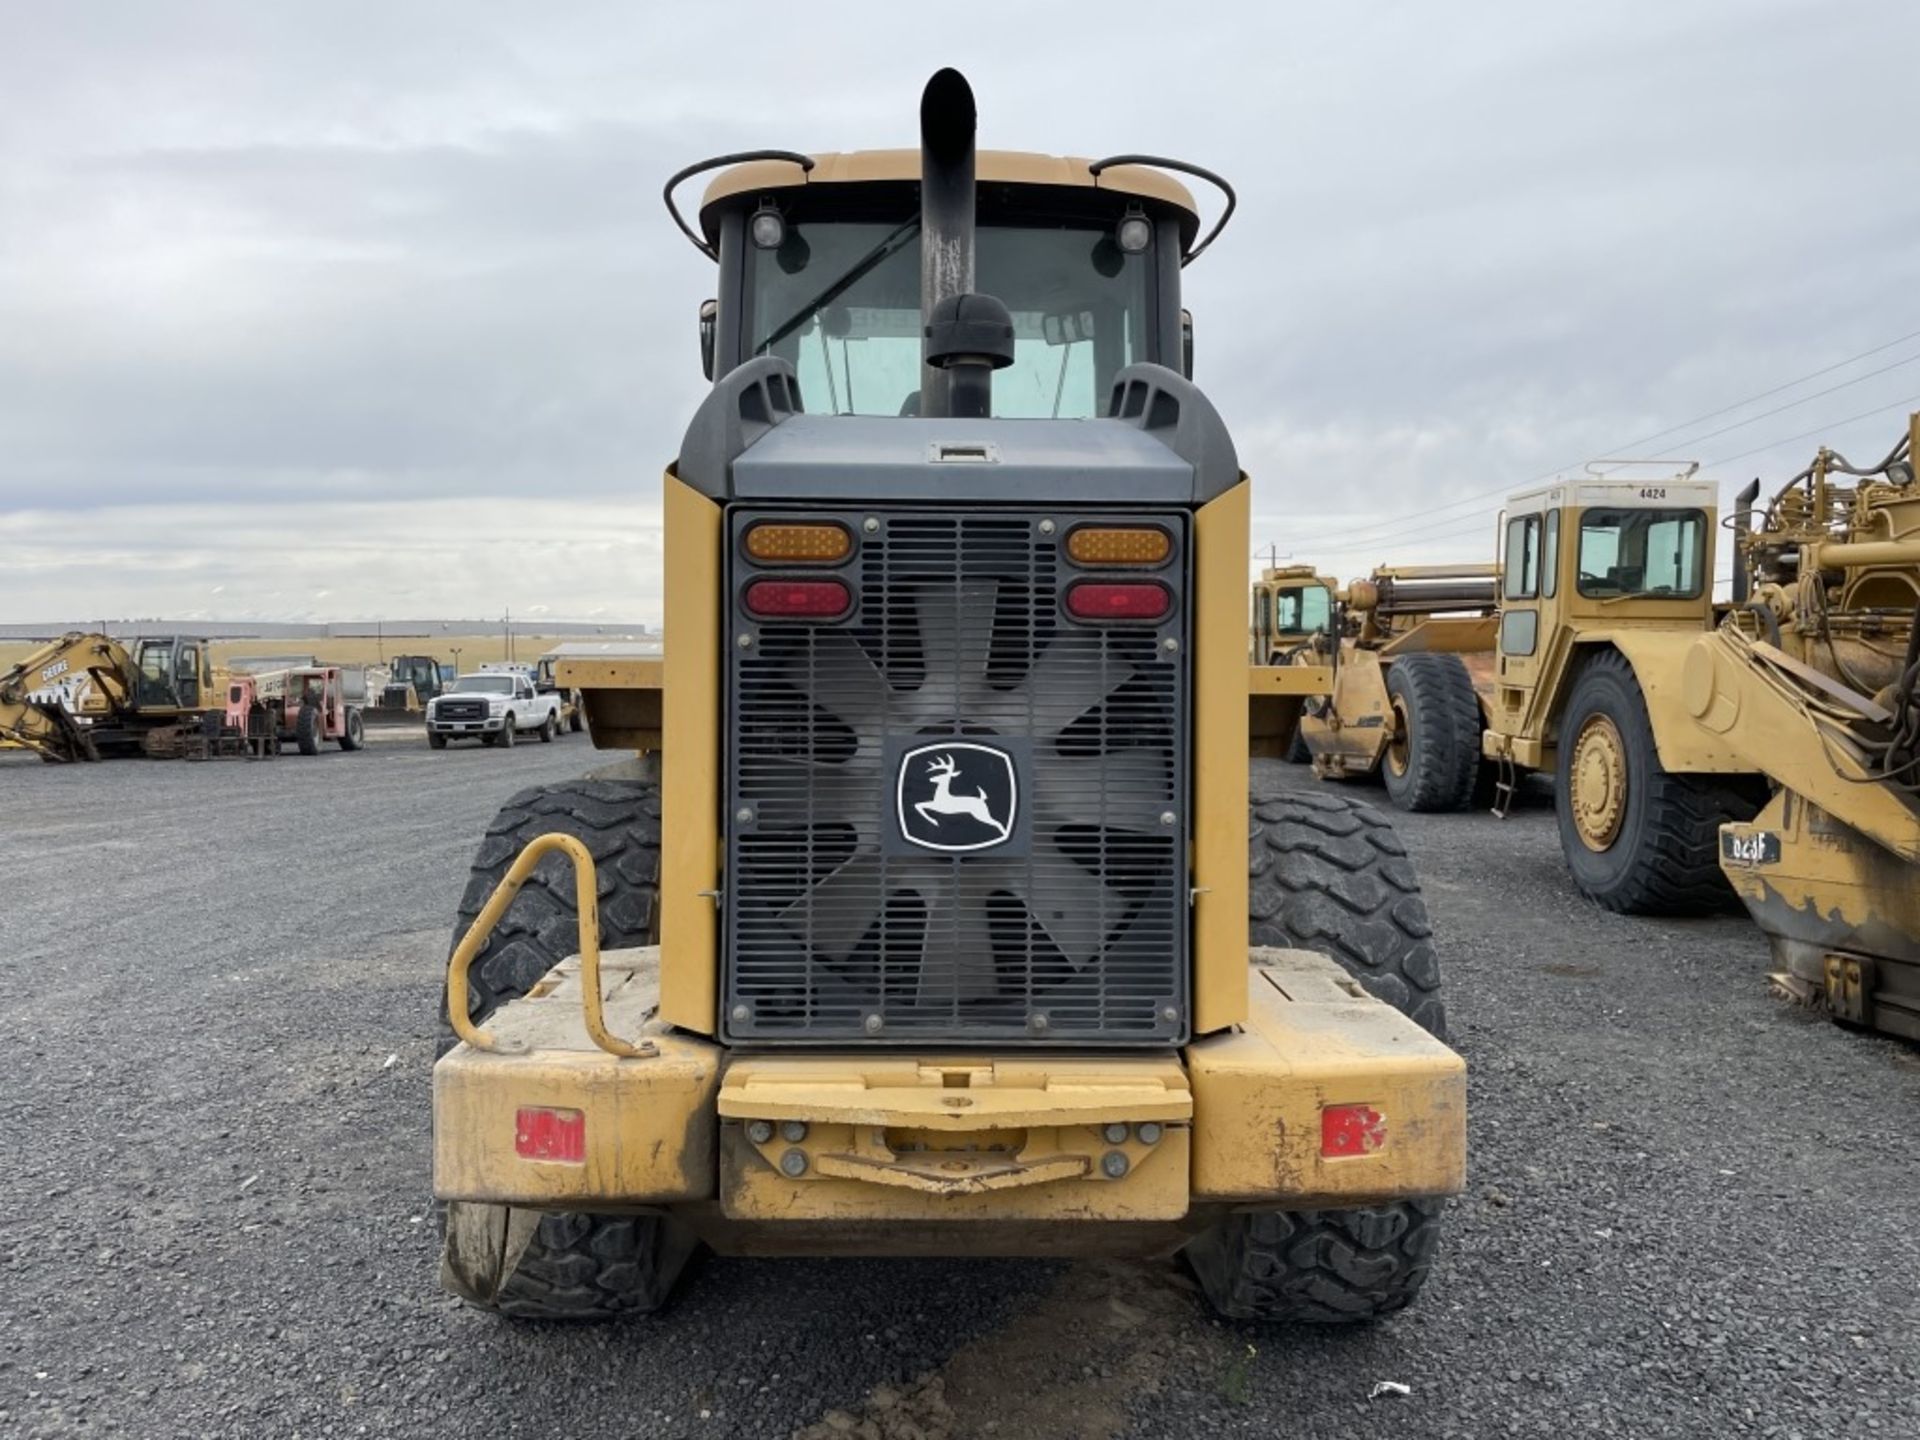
point(1637, 838)
point(562, 1265)
point(354, 735)
point(306, 729)
point(1327, 873)
point(576, 716)
point(1434, 756)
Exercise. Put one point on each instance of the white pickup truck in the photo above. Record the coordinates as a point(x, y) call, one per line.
point(493, 709)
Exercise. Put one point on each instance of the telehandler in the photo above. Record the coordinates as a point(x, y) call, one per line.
point(929, 919)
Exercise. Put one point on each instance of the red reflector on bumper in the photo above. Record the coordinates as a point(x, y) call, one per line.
point(543, 1134)
point(1118, 600)
point(1351, 1130)
point(798, 599)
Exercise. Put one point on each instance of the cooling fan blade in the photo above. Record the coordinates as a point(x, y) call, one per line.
point(1123, 790)
point(956, 962)
point(835, 915)
point(956, 639)
point(838, 676)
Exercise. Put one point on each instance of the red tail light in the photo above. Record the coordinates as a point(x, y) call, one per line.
point(798, 599)
point(1119, 600)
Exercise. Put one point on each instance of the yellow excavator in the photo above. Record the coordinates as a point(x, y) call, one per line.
point(86, 696)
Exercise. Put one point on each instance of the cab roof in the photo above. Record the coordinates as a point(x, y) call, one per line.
point(991, 167)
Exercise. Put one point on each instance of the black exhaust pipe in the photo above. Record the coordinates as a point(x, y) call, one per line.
point(1742, 530)
point(966, 336)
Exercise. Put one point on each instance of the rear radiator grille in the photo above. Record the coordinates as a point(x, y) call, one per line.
point(1054, 910)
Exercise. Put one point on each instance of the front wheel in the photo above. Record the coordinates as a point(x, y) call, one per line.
point(436, 741)
point(546, 730)
point(507, 731)
point(1637, 839)
point(306, 729)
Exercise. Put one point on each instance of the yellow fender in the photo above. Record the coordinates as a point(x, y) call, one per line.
point(1659, 661)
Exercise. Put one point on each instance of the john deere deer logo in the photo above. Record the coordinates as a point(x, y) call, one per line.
point(956, 796)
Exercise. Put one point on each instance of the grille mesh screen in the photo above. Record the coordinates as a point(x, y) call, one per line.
point(838, 927)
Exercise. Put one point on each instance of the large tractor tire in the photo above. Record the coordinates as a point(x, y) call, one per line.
point(1327, 873)
point(1434, 756)
point(306, 730)
point(1637, 839)
point(556, 1265)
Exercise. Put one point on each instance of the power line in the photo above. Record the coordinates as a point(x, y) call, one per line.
point(1406, 536)
point(1831, 425)
point(1779, 409)
point(1778, 389)
point(1502, 490)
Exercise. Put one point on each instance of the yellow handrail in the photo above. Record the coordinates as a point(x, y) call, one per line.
point(586, 889)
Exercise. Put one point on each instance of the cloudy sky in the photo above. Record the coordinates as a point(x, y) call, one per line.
point(370, 309)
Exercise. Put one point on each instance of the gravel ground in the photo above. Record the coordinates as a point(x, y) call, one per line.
point(1692, 1208)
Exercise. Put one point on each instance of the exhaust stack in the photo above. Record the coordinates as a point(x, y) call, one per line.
point(966, 337)
point(1742, 533)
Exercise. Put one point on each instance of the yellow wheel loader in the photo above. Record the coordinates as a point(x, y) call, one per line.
point(1813, 682)
point(1411, 678)
point(923, 919)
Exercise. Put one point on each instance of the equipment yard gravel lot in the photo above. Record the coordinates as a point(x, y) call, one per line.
point(1692, 1209)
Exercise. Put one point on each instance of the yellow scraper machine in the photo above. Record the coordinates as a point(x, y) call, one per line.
point(922, 918)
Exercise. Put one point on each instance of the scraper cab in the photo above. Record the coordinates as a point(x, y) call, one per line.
point(922, 918)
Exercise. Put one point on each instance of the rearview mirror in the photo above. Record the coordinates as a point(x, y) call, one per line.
point(1186, 343)
point(1066, 327)
point(709, 329)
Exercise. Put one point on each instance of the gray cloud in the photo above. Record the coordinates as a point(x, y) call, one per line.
point(372, 286)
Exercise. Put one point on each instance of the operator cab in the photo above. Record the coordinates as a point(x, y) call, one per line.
point(1291, 604)
point(172, 673)
point(820, 266)
point(1600, 551)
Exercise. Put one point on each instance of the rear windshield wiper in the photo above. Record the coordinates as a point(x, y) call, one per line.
point(893, 243)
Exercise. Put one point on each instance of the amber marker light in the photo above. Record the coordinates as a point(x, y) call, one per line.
point(787, 543)
point(1119, 545)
